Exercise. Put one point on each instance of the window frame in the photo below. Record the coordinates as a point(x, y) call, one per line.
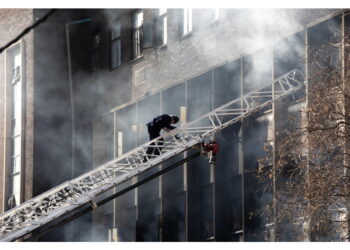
point(187, 21)
point(14, 146)
point(137, 34)
point(163, 18)
point(115, 46)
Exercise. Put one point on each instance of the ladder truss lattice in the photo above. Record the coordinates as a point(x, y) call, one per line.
point(73, 194)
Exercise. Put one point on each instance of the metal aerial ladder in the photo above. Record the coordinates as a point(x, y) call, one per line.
point(63, 199)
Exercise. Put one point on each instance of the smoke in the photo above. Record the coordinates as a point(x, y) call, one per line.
point(268, 25)
point(254, 33)
point(252, 30)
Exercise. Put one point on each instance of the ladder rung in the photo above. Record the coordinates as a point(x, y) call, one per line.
point(68, 196)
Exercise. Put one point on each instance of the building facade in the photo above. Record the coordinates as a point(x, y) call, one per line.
point(89, 80)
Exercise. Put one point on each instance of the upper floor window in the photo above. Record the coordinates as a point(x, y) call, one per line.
point(116, 46)
point(14, 180)
point(187, 21)
point(163, 27)
point(138, 20)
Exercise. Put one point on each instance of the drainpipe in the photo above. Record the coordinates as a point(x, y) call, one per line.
point(71, 90)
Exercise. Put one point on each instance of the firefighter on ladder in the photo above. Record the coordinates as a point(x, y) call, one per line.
point(154, 127)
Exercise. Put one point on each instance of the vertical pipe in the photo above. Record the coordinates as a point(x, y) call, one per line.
point(343, 45)
point(241, 155)
point(115, 146)
point(5, 141)
point(186, 173)
point(71, 88)
point(135, 179)
point(72, 105)
point(274, 148)
point(160, 183)
point(212, 166)
point(71, 91)
point(306, 68)
point(343, 81)
point(22, 80)
point(344, 102)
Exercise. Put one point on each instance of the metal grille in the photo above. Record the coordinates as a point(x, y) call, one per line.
point(70, 195)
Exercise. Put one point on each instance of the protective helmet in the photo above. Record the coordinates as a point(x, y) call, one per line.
point(176, 119)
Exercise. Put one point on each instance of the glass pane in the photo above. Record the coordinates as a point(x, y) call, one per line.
point(137, 39)
point(189, 20)
point(15, 164)
point(16, 145)
point(138, 19)
point(12, 146)
point(116, 31)
point(14, 127)
point(185, 21)
point(16, 100)
point(116, 51)
point(17, 109)
point(16, 187)
point(15, 184)
point(17, 59)
point(14, 92)
point(165, 30)
point(187, 27)
point(119, 52)
point(16, 74)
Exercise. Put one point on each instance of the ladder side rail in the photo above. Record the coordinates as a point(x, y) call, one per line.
point(199, 119)
point(220, 108)
point(86, 183)
point(146, 145)
point(230, 122)
point(88, 196)
point(184, 132)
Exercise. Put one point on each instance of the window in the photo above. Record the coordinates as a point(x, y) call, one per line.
point(187, 21)
point(116, 46)
point(138, 19)
point(13, 198)
point(163, 27)
point(268, 120)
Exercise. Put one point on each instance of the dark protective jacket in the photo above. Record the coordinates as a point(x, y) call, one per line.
point(162, 121)
point(155, 126)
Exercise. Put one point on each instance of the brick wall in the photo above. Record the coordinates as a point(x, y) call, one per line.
point(12, 22)
point(210, 45)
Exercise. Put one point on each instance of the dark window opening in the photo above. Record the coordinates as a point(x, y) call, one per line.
point(116, 46)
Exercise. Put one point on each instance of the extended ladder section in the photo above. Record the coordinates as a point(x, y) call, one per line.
point(82, 190)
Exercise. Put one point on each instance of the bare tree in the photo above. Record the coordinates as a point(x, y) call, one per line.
point(309, 162)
